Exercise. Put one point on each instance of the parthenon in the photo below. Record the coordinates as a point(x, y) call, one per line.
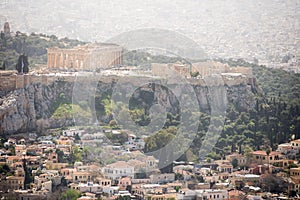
point(87, 57)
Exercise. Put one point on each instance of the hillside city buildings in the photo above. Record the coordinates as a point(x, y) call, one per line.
point(42, 167)
point(238, 176)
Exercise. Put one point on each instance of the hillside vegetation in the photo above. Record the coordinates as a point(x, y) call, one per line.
point(33, 45)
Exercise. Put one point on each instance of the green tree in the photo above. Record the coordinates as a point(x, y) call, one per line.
point(70, 194)
point(194, 74)
point(273, 184)
point(12, 150)
point(61, 156)
point(4, 169)
point(178, 176)
point(22, 65)
point(123, 198)
point(28, 175)
point(234, 163)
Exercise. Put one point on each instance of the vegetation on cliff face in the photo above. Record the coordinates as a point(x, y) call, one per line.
point(65, 111)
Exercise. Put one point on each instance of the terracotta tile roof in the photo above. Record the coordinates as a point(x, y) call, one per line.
point(119, 164)
point(235, 193)
point(263, 153)
point(135, 163)
point(14, 157)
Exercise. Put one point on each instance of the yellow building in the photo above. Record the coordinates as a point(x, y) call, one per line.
point(242, 160)
point(15, 182)
point(261, 157)
point(295, 172)
point(81, 177)
point(295, 176)
point(55, 166)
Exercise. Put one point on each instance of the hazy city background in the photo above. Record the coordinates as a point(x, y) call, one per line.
point(264, 29)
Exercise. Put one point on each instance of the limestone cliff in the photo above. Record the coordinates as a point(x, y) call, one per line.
point(31, 108)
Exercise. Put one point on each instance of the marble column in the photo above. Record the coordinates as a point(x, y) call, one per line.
point(58, 60)
point(99, 58)
point(49, 60)
point(67, 60)
point(64, 60)
point(55, 60)
point(72, 61)
point(61, 60)
point(52, 59)
point(116, 58)
point(119, 58)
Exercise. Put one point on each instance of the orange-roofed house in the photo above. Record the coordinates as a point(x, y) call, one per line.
point(53, 157)
point(55, 166)
point(20, 149)
point(242, 160)
point(81, 177)
point(124, 183)
point(295, 172)
point(236, 195)
point(296, 184)
point(261, 157)
point(15, 182)
point(12, 159)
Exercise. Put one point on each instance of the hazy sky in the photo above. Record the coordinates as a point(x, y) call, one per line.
point(205, 21)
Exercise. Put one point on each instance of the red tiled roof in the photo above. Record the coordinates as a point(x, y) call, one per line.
point(119, 164)
point(264, 153)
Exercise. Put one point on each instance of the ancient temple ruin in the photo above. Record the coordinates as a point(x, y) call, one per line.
point(87, 57)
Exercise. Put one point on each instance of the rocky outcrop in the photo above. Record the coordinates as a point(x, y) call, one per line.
point(31, 108)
